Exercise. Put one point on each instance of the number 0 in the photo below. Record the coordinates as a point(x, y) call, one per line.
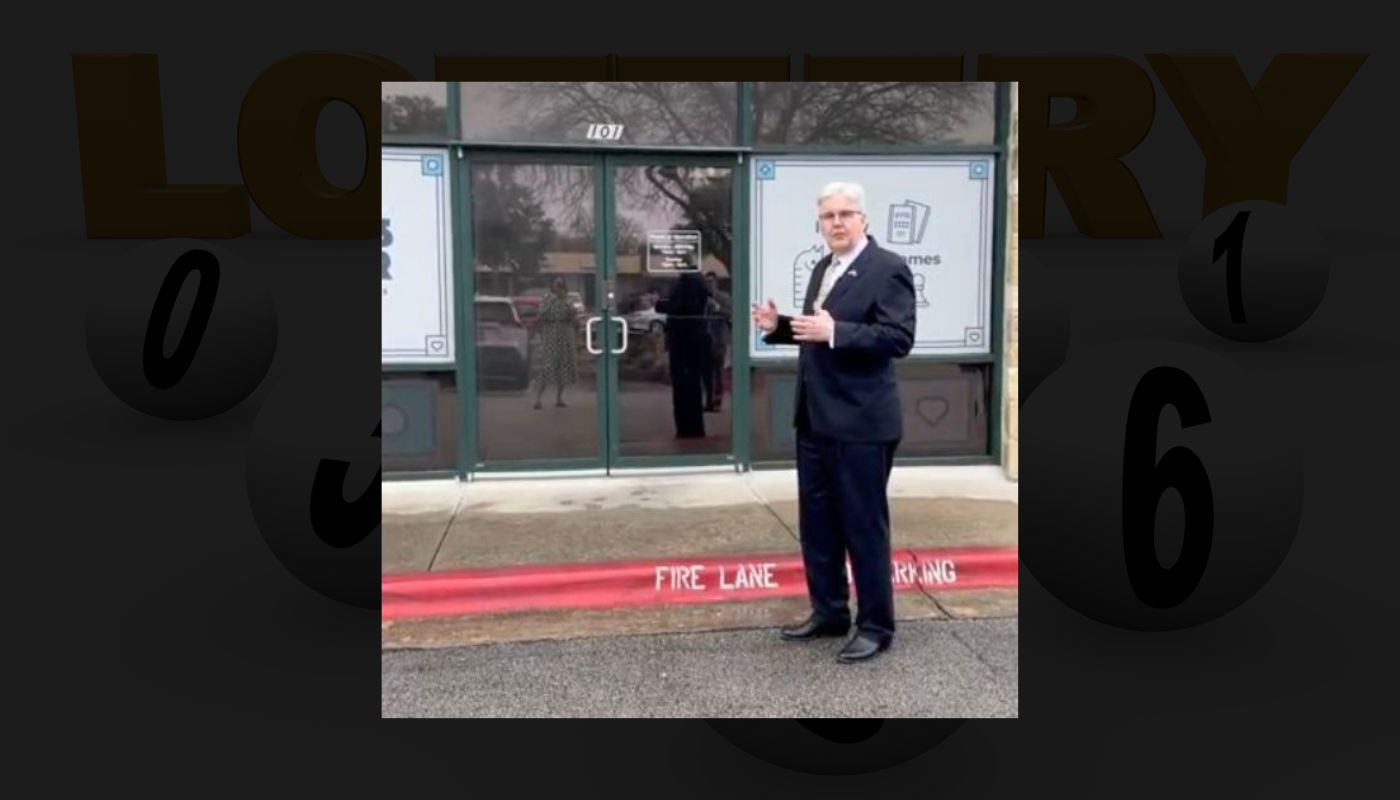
point(1145, 479)
point(162, 372)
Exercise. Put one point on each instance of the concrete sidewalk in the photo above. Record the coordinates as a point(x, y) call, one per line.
point(441, 525)
point(447, 526)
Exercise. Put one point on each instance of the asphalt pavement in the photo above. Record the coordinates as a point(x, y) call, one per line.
point(936, 668)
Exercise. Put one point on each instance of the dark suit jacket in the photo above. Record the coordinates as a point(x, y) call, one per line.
point(848, 392)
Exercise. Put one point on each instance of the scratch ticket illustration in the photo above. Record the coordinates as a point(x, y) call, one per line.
point(907, 222)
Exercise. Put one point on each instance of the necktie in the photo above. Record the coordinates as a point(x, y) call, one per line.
point(828, 280)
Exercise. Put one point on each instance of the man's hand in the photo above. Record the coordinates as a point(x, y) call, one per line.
point(816, 328)
point(766, 317)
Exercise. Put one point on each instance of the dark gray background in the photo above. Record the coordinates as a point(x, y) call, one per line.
point(186, 655)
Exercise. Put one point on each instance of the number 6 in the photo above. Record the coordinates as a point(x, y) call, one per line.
point(1144, 482)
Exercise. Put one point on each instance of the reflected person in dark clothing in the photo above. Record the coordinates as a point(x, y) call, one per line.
point(717, 313)
point(688, 350)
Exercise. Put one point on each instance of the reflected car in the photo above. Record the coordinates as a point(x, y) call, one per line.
point(535, 296)
point(502, 343)
point(646, 320)
point(528, 307)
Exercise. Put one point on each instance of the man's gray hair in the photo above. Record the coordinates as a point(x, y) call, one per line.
point(851, 191)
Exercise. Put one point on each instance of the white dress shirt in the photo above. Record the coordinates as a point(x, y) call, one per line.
point(834, 271)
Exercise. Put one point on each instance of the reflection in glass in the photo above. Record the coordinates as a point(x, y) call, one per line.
point(944, 409)
point(418, 108)
point(674, 245)
point(418, 416)
point(875, 113)
point(533, 235)
point(670, 113)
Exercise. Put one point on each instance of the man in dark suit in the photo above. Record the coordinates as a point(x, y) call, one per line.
point(857, 318)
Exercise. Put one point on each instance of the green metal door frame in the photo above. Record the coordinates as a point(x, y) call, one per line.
point(738, 271)
point(607, 382)
point(471, 461)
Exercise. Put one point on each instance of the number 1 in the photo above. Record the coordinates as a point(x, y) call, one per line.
point(1231, 242)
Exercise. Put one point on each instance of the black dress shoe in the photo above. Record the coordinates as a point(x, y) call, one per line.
point(814, 627)
point(863, 646)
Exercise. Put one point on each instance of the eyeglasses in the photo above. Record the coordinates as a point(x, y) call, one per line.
point(830, 216)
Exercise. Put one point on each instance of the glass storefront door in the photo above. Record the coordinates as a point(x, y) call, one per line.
point(603, 319)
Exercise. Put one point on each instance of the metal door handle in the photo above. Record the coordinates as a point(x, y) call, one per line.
point(623, 323)
point(588, 335)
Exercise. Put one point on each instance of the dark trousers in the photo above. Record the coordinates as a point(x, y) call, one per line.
point(843, 509)
point(713, 378)
point(687, 400)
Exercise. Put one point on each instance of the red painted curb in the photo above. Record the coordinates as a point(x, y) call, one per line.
point(667, 581)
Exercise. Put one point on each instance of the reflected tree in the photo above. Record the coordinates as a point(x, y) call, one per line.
point(692, 114)
point(700, 196)
point(671, 113)
point(873, 113)
point(631, 234)
point(412, 114)
point(512, 230)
